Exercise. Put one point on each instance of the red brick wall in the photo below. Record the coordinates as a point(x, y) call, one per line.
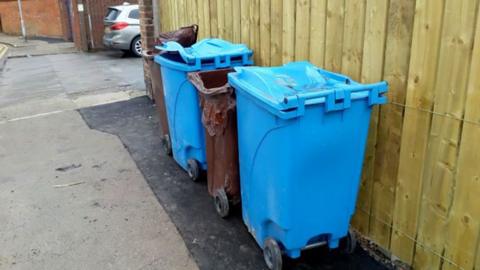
point(42, 18)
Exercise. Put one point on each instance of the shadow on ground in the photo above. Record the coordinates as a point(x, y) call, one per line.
point(213, 242)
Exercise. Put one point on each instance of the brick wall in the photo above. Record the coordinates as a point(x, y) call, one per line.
point(78, 35)
point(42, 18)
point(147, 31)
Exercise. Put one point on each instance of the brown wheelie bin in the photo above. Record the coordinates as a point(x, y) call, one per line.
point(186, 36)
point(217, 101)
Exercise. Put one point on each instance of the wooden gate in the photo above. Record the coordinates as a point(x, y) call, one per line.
point(89, 21)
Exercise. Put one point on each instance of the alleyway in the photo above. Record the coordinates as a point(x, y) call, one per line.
point(84, 183)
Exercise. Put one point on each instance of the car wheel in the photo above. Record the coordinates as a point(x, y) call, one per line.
point(136, 47)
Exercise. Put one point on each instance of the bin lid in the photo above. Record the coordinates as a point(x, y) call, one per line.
point(211, 51)
point(285, 90)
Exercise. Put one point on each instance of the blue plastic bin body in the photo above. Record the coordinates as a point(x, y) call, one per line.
point(302, 133)
point(181, 100)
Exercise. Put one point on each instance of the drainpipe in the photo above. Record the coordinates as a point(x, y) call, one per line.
point(22, 23)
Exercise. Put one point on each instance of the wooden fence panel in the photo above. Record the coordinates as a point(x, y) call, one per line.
point(445, 131)
point(464, 223)
point(318, 20)
point(372, 71)
point(419, 101)
point(397, 55)
point(228, 18)
point(302, 30)
point(418, 196)
point(334, 35)
point(353, 32)
point(288, 45)
point(265, 37)
point(276, 28)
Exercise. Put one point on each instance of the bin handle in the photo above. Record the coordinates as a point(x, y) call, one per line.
point(376, 92)
point(173, 46)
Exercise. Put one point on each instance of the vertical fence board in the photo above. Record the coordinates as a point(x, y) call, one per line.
point(228, 18)
point(477, 261)
point(206, 14)
point(372, 71)
point(182, 12)
point(191, 12)
point(245, 21)
point(302, 30)
point(265, 37)
point(170, 18)
point(236, 28)
point(464, 224)
point(213, 18)
point(255, 29)
point(441, 161)
point(176, 15)
point(221, 18)
point(201, 20)
point(276, 18)
point(164, 15)
point(318, 16)
point(397, 55)
point(334, 35)
point(288, 37)
point(354, 28)
point(420, 92)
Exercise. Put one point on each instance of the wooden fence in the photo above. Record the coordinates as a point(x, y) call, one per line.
point(420, 191)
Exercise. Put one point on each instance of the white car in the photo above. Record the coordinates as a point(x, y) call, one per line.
point(122, 29)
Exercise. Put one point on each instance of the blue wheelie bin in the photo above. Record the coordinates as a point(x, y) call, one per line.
point(302, 134)
point(181, 99)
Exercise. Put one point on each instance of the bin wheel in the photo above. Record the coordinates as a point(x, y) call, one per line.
point(272, 254)
point(167, 144)
point(350, 242)
point(193, 170)
point(221, 202)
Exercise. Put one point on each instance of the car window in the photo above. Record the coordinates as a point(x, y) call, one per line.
point(134, 14)
point(112, 14)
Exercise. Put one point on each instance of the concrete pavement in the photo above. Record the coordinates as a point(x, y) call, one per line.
point(42, 84)
point(35, 46)
point(72, 197)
